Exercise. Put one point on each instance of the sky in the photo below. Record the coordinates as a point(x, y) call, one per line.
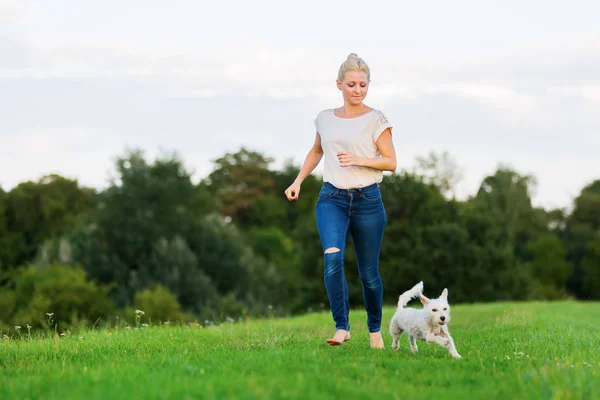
point(492, 83)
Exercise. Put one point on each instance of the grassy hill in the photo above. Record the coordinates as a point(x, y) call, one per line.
point(510, 351)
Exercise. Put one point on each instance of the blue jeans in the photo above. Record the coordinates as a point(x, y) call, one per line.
point(359, 212)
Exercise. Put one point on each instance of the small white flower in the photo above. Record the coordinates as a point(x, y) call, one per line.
point(49, 314)
point(17, 327)
point(144, 324)
point(62, 334)
point(139, 312)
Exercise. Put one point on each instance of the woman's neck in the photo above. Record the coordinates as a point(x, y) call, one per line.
point(350, 110)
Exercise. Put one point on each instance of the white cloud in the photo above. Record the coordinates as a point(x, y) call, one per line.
point(589, 92)
point(42, 141)
point(63, 151)
point(500, 97)
point(261, 68)
point(11, 12)
point(192, 93)
point(255, 68)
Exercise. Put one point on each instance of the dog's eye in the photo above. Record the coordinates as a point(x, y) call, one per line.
point(434, 310)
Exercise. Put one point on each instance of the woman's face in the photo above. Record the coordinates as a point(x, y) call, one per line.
point(354, 87)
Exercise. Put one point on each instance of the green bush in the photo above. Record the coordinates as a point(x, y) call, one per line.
point(56, 295)
point(159, 305)
point(7, 308)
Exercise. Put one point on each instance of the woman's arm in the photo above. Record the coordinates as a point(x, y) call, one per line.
point(387, 161)
point(313, 158)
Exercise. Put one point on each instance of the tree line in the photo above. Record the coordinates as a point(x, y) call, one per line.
point(231, 245)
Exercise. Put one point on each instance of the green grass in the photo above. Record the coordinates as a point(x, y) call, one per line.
point(510, 351)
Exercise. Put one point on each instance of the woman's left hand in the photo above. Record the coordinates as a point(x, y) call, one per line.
point(347, 159)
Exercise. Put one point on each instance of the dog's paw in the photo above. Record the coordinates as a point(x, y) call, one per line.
point(456, 356)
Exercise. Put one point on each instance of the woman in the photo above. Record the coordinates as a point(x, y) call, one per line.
point(356, 142)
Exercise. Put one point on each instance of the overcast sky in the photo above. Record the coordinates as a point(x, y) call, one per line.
point(491, 82)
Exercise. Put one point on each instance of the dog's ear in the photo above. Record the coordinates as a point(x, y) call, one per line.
point(445, 294)
point(424, 300)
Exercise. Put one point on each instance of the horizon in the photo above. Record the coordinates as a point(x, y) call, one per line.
point(275, 166)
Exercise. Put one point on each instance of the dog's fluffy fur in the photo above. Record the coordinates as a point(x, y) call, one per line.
point(429, 324)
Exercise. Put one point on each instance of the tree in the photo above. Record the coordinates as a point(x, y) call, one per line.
point(5, 247)
point(441, 170)
point(419, 216)
point(154, 225)
point(280, 250)
point(549, 267)
point(581, 238)
point(37, 211)
point(495, 273)
point(147, 215)
point(238, 180)
point(506, 196)
point(590, 268)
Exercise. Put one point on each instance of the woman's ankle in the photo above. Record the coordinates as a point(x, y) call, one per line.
point(376, 340)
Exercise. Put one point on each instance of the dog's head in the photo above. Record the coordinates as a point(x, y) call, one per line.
point(438, 309)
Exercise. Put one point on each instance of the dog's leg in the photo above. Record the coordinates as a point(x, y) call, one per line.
point(413, 344)
point(431, 338)
point(452, 348)
point(396, 333)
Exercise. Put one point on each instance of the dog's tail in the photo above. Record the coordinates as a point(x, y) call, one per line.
point(410, 294)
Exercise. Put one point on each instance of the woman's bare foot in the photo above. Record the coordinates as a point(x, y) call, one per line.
point(376, 340)
point(340, 337)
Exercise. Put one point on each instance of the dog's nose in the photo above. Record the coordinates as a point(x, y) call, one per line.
point(442, 318)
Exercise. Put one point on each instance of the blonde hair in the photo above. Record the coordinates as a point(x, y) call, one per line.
point(353, 63)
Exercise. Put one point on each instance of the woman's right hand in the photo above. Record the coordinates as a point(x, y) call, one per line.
point(293, 191)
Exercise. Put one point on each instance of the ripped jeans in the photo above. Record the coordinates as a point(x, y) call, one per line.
point(359, 212)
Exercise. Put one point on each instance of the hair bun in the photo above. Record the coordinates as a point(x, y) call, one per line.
point(353, 63)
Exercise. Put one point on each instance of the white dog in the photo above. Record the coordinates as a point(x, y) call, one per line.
point(429, 324)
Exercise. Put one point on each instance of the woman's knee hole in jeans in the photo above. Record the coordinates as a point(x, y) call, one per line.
point(332, 250)
point(333, 261)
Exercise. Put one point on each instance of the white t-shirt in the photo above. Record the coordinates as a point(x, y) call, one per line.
point(356, 135)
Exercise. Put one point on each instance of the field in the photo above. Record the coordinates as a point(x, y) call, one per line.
point(510, 351)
